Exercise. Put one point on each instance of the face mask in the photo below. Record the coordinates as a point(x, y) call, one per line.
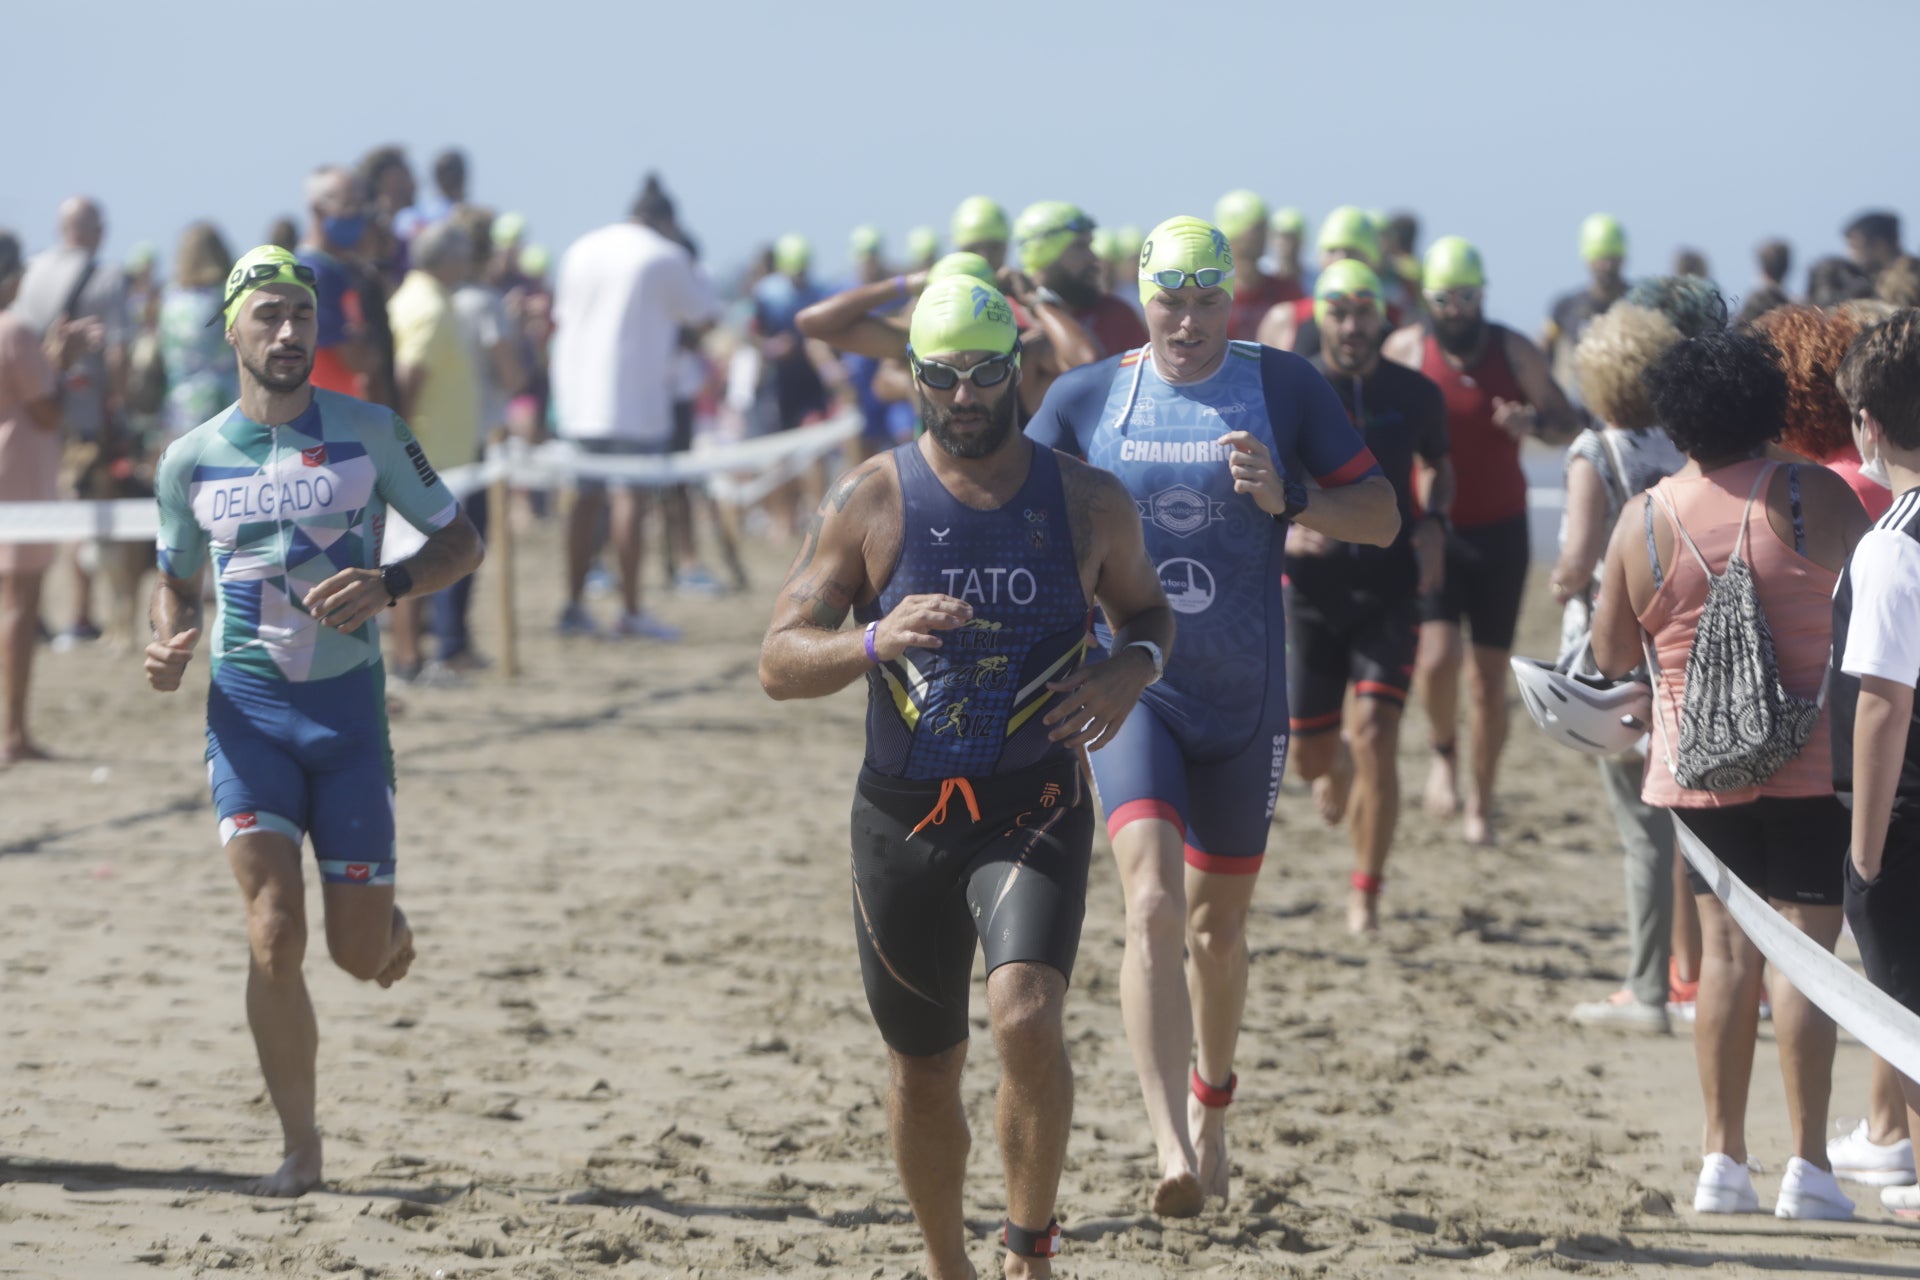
point(345, 232)
point(1872, 467)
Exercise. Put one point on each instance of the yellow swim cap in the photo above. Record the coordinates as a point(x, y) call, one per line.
point(1238, 212)
point(978, 220)
point(1602, 236)
point(268, 264)
point(792, 254)
point(1189, 246)
point(961, 264)
point(1346, 280)
point(1452, 263)
point(1044, 230)
point(1349, 228)
point(959, 313)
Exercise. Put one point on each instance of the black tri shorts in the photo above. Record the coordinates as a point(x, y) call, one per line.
point(1337, 636)
point(1486, 578)
point(1789, 849)
point(939, 867)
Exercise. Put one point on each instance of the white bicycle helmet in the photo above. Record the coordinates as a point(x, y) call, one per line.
point(1599, 717)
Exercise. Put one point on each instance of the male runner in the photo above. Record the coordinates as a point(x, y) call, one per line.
point(1054, 341)
point(1289, 227)
point(1498, 393)
point(1347, 233)
point(1352, 611)
point(973, 558)
point(1242, 218)
point(289, 490)
point(1056, 254)
point(1603, 247)
point(980, 226)
point(1215, 441)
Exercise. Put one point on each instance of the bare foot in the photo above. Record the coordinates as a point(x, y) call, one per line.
point(1016, 1267)
point(1178, 1196)
point(1442, 797)
point(1208, 1125)
point(963, 1271)
point(400, 959)
point(22, 749)
point(298, 1174)
point(1331, 789)
point(1363, 912)
point(1477, 830)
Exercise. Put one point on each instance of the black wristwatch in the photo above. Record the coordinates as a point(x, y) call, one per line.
point(1296, 498)
point(397, 581)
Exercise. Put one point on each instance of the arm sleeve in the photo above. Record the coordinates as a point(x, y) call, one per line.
point(1071, 408)
point(407, 481)
point(182, 544)
point(1882, 638)
point(1324, 441)
point(1431, 439)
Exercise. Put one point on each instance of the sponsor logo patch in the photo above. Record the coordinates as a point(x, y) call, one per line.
point(421, 467)
point(314, 457)
point(359, 871)
point(1188, 584)
point(245, 821)
point(1182, 510)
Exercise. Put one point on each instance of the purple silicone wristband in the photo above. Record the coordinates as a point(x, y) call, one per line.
point(873, 655)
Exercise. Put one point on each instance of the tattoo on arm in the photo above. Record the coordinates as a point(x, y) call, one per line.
point(826, 602)
point(1081, 489)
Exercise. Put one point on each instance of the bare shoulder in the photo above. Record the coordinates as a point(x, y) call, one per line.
point(1404, 344)
point(1099, 490)
point(864, 489)
point(1520, 349)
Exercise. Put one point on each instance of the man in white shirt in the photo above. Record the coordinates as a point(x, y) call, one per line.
point(623, 294)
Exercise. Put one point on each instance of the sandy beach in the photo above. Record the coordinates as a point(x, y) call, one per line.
point(635, 1041)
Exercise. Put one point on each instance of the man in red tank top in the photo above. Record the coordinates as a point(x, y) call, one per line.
point(1499, 392)
point(1242, 218)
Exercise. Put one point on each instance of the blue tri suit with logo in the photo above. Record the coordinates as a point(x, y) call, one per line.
point(970, 826)
point(1207, 746)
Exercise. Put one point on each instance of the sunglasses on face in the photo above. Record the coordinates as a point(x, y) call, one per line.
point(1467, 295)
point(1205, 277)
point(945, 377)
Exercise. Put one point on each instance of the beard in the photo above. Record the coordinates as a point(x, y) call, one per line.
point(1078, 292)
point(1364, 355)
point(280, 383)
point(999, 425)
point(1459, 337)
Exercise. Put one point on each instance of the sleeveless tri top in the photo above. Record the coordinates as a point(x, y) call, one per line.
point(972, 707)
point(1490, 486)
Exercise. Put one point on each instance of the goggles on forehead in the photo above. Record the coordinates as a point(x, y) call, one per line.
point(945, 377)
point(1081, 225)
point(263, 273)
point(1361, 297)
point(1205, 277)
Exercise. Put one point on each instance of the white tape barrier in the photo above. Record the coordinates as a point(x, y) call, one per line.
point(770, 460)
point(1874, 1018)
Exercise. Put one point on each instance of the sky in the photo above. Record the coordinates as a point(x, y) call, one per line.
point(1707, 123)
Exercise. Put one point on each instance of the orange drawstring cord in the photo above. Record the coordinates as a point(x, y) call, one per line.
point(938, 814)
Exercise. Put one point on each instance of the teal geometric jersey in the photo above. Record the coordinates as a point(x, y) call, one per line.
point(284, 508)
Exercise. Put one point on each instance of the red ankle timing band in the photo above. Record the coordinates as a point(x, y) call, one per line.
point(1209, 1095)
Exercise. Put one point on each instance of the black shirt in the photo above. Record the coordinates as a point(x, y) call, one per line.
point(1888, 595)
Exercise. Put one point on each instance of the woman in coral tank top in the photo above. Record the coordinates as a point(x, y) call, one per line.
point(1723, 399)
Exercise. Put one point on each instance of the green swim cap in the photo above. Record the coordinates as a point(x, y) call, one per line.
point(960, 313)
point(1348, 227)
point(961, 263)
point(1044, 230)
point(792, 254)
point(1288, 222)
point(1183, 244)
point(534, 261)
point(865, 240)
point(507, 228)
point(978, 219)
point(1105, 244)
point(1127, 240)
point(1602, 236)
point(1238, 212)
point(1452, 263)
point(922, 243)
point(141, 255)
point(244, 279)
point(1344, 279)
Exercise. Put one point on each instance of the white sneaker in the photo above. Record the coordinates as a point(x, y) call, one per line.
point(1858, 1158)
point(1808, 1191)
point(1622, 1012)
point(1901, 1202)
point(1724, 1187)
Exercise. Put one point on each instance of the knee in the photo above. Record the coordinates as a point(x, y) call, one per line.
point(1376, 735)
point(1313, 755)
point(926, 1080)
point(1153, 919)
point(1217, 936)
point(278, 938)
point(1027, 1028)
point(360, 956)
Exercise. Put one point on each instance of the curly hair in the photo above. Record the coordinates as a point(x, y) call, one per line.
point(1613, 353)
point(1811, 343)
point(1881, 374)
point(1720, 395)
point(1694, 305)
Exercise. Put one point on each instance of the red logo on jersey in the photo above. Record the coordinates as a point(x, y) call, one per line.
point(314, 457)
point(245, 821)
point(359, 871)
